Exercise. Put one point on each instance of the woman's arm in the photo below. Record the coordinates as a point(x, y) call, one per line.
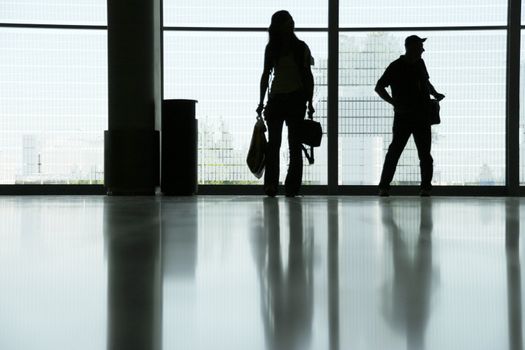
point(309, 81)
point(265, 77)
point(309, 85)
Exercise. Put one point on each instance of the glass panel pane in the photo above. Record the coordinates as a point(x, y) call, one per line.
point(468, 147)
point(53, 105)
point(422, 13)
point(222, 71)
point(84, 12)
point(247, 13)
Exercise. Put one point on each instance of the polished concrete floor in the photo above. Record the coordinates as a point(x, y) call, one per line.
point(255, 273)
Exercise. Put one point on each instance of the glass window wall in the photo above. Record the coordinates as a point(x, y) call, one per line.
point(468, 147)
point(53, 104)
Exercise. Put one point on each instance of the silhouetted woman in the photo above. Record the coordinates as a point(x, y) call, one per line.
point(287, 60)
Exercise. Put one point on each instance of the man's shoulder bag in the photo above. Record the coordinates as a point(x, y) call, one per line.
point(433, 112)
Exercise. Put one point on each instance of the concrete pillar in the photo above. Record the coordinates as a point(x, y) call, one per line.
point(134, 93)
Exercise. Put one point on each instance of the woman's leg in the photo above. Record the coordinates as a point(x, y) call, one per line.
point(294, 177)
point(271, 174)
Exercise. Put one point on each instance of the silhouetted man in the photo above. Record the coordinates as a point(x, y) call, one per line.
point(411, 89)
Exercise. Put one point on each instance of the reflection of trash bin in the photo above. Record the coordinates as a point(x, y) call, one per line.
point(179, 148)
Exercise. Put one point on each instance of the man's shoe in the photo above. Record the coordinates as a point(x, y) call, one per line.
point(425, 192)
point(384, 192)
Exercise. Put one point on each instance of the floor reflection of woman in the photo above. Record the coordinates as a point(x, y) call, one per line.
point(287, 59)
point(286, 289)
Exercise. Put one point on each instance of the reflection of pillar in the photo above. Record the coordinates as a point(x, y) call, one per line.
point(134, 97)
point(179, 246)
point(133, 241)
point(333, 273)
point(512, 236)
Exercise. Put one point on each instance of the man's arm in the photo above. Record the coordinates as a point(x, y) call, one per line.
point(383, 82)
point(381, 91)
point(434, 93)
point(431, 88)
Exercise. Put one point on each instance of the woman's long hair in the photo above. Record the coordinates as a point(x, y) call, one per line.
point(275, 39)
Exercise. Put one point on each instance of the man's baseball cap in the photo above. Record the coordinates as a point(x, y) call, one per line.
point(414, 39)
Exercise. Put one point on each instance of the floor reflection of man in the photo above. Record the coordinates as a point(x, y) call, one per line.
point(407, 306)
point(286, 293)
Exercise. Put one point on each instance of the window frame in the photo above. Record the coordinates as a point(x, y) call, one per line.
point(512, 186)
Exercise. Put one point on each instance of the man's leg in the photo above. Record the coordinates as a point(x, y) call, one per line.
point(423, 140)
point(271, 174)
point(401, 133)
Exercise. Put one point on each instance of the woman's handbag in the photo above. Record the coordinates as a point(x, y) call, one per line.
point(311, 135)
point(257, 152)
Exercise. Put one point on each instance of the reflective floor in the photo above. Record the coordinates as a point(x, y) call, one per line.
point(256, 273)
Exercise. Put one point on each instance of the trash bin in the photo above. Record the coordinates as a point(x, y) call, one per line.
point(179, 148)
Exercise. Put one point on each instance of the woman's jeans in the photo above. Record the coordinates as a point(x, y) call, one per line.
point(281, 108)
